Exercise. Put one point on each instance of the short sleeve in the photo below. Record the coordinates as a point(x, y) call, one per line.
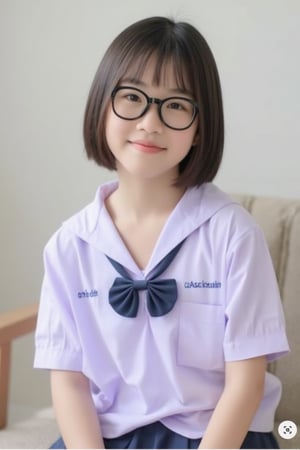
point(57, 344)
point(255, 322)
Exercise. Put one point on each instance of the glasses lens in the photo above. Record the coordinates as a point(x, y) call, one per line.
point(129, 103)
point(178, 112)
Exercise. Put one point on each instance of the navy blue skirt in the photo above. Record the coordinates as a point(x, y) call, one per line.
point(156, 435)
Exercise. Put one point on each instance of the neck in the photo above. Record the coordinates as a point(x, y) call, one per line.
point(142, 198)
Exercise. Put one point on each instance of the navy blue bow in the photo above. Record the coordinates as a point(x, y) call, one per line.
point(161, 294)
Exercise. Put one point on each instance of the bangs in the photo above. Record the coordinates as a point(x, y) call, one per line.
point(164, 59)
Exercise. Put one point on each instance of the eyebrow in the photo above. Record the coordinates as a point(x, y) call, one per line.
point(140, 83)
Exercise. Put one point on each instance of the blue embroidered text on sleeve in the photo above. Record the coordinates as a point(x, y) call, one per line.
point(203, 284)
point(87, 294)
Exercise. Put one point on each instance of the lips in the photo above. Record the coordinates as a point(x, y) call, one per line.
point(146, 146)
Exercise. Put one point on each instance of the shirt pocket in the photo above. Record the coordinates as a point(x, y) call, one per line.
point(200, 336)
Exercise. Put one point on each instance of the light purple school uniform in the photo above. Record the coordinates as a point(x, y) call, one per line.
point(168, 368)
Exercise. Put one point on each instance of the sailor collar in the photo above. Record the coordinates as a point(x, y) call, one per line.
point(94, 225)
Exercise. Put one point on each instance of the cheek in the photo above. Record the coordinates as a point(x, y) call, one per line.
point(116, 129)
point(109, 124)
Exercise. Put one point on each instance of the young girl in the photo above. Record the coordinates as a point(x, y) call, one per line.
point(159, 306)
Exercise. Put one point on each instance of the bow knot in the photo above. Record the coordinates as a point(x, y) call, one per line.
point(140, 285)
point(161, 294)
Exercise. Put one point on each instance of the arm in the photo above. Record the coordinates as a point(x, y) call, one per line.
point(243, 391)
point(75, 410)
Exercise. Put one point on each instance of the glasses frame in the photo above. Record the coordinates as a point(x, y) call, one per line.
point(153, 100)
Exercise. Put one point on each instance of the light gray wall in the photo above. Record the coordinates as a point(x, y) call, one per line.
point(49, 51)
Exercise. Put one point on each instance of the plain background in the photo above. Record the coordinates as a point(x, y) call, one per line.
point(49, 52)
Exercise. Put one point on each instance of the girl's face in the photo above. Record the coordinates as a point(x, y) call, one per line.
point(145, 147)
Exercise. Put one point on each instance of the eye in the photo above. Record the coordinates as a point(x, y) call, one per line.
point(175, 105)
point(178, 104)
point(132, 97)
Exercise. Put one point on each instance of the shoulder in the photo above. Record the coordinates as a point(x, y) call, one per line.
point(229, 223)
point(72, 228)
point(81, 228)
point(60, 251)
point(224, 211)
point(63, 245)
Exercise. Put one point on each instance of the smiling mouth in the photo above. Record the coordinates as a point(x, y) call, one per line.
point(146, 147)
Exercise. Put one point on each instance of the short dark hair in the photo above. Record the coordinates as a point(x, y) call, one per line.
point(183, 45)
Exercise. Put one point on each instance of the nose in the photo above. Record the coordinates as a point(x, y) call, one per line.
point(150, 121)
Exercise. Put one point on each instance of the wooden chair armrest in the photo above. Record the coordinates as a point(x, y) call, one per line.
point(13, 324)
point(17, 322)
